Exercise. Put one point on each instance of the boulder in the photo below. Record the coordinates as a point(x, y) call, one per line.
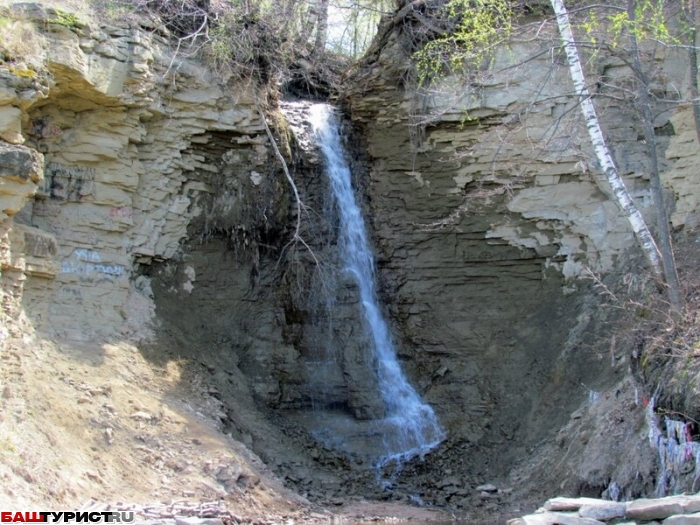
point(555, 518)
point(653, 509)
point(684, 519)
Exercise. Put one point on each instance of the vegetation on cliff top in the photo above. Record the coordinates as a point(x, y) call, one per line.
point(301, 45)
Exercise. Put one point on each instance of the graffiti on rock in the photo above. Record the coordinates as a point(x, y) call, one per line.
point(68, 183)
point(45, 129)
point(88, 263)
point(123, 212)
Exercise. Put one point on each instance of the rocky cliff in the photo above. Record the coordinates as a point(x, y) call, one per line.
point(116, 150)
point(489, 213)
point(118, 145)
point(142, 202)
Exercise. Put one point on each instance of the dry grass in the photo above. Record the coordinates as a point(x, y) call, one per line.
point(20, 42)
point(665, 347)
point(671, 358)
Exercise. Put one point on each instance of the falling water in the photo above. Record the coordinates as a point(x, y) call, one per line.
point(409, 427)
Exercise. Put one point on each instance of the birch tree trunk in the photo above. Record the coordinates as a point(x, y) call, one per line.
point(620, 193)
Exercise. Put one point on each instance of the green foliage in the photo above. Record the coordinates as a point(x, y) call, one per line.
point(474, 28)
point(478, 27)
point(65, 19)
point(250, 43)
point(650, 23)
point(21, 45)
point(221, 50)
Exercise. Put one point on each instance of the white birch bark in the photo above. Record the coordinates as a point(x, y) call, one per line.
point(620, 193)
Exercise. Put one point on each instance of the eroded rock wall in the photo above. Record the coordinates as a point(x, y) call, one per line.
point(144, 203)
point(488, 208)
point(124, 154)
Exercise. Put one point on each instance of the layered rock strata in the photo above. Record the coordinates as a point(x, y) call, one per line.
point(114, 162)
point(488, 207)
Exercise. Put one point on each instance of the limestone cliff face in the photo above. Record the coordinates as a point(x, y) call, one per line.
point(141, 200)
point(135, 189)
point(487, 209)
point(516, 140)
point(115, 158)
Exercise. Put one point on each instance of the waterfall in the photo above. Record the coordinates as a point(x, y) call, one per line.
point(409, 427)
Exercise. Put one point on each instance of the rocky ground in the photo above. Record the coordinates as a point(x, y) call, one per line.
point(88, 426)
point(92, 425)
point(97, 424)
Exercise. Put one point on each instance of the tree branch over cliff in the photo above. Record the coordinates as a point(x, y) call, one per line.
point(252, 40)
point(297, 199)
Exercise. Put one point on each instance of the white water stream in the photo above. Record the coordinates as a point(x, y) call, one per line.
point(409, 427)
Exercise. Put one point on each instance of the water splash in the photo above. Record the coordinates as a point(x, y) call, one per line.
point(409, 427)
